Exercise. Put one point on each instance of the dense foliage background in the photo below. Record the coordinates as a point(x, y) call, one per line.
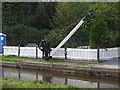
point(25, 23)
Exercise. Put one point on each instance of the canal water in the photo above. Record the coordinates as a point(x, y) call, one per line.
point(60, 78)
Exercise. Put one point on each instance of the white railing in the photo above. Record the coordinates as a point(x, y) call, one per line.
point(110, 53)
point(72, 53)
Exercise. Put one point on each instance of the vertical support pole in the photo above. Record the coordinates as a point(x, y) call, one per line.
point(36, 52)
point(2, 53)
point(65, 53)
point(18, 50)
point(98, 54)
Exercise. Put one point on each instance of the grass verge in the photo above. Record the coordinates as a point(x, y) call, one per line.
point(21, 83)
point(17, 59)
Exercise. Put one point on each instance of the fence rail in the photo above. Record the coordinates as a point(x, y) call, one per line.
point(72, 53)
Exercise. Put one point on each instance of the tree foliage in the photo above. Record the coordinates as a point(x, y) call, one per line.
point(26, 22)
point(22, 35)
point(66, 17)
point(53, 21)
point(68, 14)
point(98, 33)
point(110, 13)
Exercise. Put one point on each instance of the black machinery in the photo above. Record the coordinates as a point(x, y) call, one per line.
point(44, 46)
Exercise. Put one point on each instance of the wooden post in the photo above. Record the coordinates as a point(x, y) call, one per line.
point(98, 54)
point(2, 53)
point(36, 52)
point(18, 50)
point(65, 53)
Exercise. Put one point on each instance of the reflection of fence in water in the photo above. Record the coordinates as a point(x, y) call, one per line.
point(36, 76)
point(28, 75)
point(72, 53)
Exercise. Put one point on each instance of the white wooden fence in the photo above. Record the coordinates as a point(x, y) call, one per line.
point(72, 53)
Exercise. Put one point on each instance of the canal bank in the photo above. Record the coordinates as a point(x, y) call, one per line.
point(83, 69)
point(62, 72)
point(58, 78)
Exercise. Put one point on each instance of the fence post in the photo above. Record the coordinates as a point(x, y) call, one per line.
point(3, 50)
point(18, 50)
point(3, 53)
point(98, 54)
point(36, 52)
point(65, 53)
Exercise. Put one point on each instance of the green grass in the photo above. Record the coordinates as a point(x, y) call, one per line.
point(94, 61)
point(56, 61)
point(21, 83)
point(81, 64)
point(10, 58)
point(17, 59)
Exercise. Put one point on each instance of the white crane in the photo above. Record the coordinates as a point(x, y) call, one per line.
point(70, 34)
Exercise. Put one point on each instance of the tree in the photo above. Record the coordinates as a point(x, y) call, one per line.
point(98, 33)
point(67, 15)
point(26, 22)
point(21, 35)
point(110, 13)
point(59, 19)
point(108, 10)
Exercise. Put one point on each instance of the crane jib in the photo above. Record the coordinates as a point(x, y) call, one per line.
point(70, 34)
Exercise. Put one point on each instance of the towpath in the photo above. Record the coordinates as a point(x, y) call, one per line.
point(111, 64)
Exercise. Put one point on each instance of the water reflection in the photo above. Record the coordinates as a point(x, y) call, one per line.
point(47, 79)
point(58, 79)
